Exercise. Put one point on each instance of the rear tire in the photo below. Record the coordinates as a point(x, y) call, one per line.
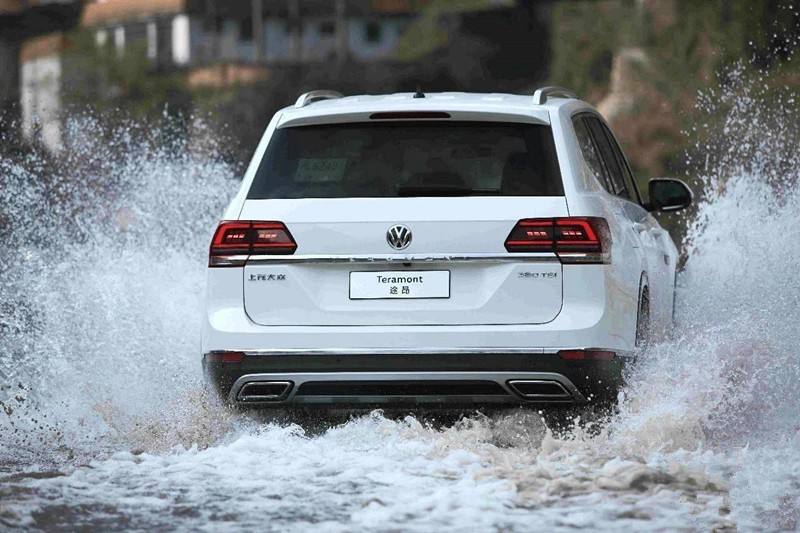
point(643, 326)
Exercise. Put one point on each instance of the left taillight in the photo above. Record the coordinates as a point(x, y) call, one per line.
point(234, 241)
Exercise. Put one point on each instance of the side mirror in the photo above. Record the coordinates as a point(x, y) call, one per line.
point(667, 194)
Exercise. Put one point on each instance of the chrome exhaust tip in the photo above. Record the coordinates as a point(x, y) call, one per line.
point(264, 391)
point(537, 389)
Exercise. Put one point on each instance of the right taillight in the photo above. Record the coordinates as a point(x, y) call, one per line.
point(234, 241)
point(573, 239)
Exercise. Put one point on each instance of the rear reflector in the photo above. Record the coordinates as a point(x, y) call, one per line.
point(234, 241)
point(587, 355)
point(573, 240)
point(225, 357)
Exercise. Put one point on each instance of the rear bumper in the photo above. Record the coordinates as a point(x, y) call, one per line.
point(486, 376)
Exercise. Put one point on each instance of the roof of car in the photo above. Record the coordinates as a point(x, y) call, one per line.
point(480, 106)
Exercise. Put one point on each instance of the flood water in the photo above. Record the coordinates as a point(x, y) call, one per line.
point(104, 423)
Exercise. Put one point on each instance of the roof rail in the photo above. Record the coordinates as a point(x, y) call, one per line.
point(541, 95)
point(312, 96)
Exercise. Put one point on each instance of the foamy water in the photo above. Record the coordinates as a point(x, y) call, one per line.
point(104, 423)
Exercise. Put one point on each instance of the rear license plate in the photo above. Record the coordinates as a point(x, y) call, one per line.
point(400, 284)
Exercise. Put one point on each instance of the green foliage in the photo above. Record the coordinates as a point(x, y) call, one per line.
point(585, 34)
point(423, 37)
point(689, 47)
point(427, 33)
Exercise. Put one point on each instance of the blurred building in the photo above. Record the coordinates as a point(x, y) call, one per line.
point(199, 32)
point(22, 20)
point(216, 43)
point(40, 88)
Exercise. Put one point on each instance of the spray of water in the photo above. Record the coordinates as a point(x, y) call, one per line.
point(101, 283)
point(104, 422)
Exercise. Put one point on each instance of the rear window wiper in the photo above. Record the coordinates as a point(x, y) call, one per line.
point(433, 190)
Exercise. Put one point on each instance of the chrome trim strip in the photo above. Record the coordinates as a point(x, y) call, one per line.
point(227, 260)
point(501, 378)
point(422, 401)
point(396, 351)
point(579, 257)
point(494, 350)
point(411, 258)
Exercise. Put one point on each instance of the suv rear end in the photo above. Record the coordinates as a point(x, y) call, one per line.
point(396, 249)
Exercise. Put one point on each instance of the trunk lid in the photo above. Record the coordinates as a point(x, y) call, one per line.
point(337, 237)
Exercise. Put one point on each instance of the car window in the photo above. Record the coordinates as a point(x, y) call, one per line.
point(590, 152)
point(392, 159)
point(627, 175)
point(609, 158)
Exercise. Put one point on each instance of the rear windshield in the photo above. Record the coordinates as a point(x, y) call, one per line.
point(394, 159)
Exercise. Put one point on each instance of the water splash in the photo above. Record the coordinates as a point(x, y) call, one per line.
point(724, 386)
point(99, 362)
point(102, 285)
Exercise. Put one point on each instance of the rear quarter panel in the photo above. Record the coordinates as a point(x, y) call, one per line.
point(585, 196)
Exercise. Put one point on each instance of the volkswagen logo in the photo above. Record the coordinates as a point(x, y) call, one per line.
point(398, 237)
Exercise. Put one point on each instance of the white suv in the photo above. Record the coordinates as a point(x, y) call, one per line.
point(444, 248)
